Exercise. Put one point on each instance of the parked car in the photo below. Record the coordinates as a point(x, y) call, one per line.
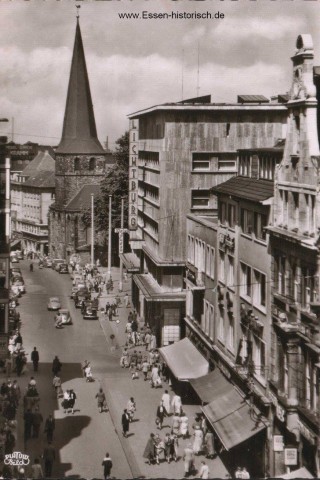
point(16, 290)
point(57, 264)
point(62, 268)
point(20, 284)
point(14, 259)
point(65, 316)
point(47, 263)
point(54, 303)
point(55, 261)
point(90, 312)
point(81, 297)
point(15, 270)
point(14, 319)
point(20, 256)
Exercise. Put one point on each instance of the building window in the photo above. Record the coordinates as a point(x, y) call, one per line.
point(308, 287)
point(260, 222)
point(246, 221)
point(226, 165)
point(231, 215)
point(222, 212)
point(244, 166)
point(245, 287)
point(221, 266)
point(92, 164)
point(221, 325)
point(210, 261)
point(191, 249)
point(76, 164)
point(230, 337)
point(200, 199)
point(295, 196)
point(259, 356)
point(311, 391)
point(310, 214)
point(200, 161)
point(259, 289)
point(230, 271)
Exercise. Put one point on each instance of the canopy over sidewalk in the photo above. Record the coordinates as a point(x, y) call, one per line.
point(184, 360)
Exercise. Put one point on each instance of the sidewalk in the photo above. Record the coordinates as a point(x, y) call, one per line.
point(147, 400)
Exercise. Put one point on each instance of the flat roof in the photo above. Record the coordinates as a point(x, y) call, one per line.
point(209, 107)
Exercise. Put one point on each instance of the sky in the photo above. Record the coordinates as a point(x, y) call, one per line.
point(136, 63)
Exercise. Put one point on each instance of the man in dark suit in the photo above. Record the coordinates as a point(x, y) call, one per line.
point(35, 359)
point(49, 428)
point(125, 420)
point(49, 456)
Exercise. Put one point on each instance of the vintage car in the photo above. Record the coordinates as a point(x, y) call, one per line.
point(63, 268)
point(81, 296)
point(90, 311)
point(18, 283)
point(14, 259)
point(64, 316)
point(14, 319)
point(47, 262)
point(54, 303)
point(56, 261)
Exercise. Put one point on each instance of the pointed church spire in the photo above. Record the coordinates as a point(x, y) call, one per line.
point(79, 135)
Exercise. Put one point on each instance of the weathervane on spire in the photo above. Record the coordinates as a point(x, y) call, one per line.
point(78, 7)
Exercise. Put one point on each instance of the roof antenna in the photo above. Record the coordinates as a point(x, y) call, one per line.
point(198, 84)
point(78, 12)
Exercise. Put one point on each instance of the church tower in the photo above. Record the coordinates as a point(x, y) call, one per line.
point(80, 159)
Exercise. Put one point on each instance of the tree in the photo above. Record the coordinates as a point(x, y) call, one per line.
point(115, 183)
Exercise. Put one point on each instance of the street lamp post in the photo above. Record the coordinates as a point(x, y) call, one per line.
point(109, 239)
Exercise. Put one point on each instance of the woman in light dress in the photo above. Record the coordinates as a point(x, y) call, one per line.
point(166, 401)
point(184, 425)
point(198, 440)
point(176, 404)
point(175, 424)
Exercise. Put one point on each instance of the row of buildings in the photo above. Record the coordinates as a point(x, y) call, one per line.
point(224, 220)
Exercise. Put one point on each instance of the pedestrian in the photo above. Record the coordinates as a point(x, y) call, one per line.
point(153, 342)
point(72, 400)
point(126, 300)
point(49, 427)
point(107, 466)
point(56, 366)
point(174, 446)
point(56, 383)
point(124, 361)
point(147, 339)
point(203, 425)
point(101, 398)
point(166, 401)
point(168, 447)
point(238, 473)
point(204, 470)
point(10, 443)
point(245, 474)
point(19, 364)
point(131, 408)
point(49, 456)
point(176, 404)
point(18, 341)
point(161, 413)
point(159, 447)
point(145, 369)
point(35, 359)
point(188, 457)
point(209, 445)
point(198, 440)
point(36, 469)
point(37, 419)
point(125, 421)
point(184, 425)
point(149, 451)
point(175, 428)
point(155, 377)
point(27, 424)
point(16, 392)
point(165, 373)
point(84, 366)
point(65, 402)
point(88, 372)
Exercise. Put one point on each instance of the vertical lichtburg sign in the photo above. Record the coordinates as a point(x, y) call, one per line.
point(133, 174)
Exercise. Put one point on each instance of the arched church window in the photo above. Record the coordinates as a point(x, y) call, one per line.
point(92, 164)
point(76, 164)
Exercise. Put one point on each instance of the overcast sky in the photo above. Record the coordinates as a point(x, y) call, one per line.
point(133, 64)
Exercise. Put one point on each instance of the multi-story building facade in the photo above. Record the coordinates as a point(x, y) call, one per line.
point(32, 193)
point(294, 241)
point(80, 162)
point(4, 248)
point(21, 156)
point(178, 152)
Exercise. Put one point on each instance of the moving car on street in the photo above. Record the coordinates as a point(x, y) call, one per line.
point(65, 317)
point(62, 268)
point(89, 311)
point(54, 303)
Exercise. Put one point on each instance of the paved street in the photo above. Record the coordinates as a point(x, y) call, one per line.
point(83, 438)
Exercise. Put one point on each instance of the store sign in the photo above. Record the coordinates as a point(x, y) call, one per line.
point(278, 445)
point(307, 433)
point(290, 456)
point(121, 231)
point(224, 369)
point(280, 411)
point(133, 175)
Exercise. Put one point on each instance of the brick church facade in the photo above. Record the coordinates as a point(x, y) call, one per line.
point(80, 163)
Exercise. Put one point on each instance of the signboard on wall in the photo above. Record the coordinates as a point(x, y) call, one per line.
point(133, 174)
point(278, 443)
point(290, 456)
